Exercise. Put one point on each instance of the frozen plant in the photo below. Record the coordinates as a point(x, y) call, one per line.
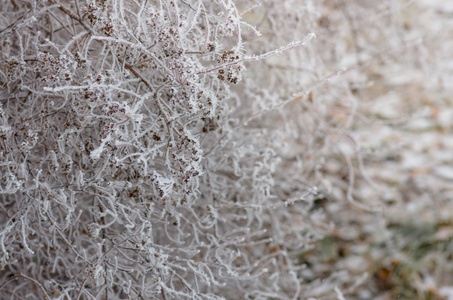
point(134, 160)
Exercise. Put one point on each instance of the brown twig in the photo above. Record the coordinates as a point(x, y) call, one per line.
point(26, 277)
point(73, 16)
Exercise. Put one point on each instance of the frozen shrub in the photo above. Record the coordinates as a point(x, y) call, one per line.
point(127, 168)
point(195, 149)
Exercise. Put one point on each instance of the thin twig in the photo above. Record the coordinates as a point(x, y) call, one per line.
point(73, 16)
point(29, 278)
point(303, 42)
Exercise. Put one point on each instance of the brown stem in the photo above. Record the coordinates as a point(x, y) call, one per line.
point(73, 16)
point(26, 277)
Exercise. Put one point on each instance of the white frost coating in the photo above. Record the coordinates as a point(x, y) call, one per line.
point(96, 153)
point(169, 150)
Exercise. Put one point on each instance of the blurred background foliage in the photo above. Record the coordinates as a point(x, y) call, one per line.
point(376, 138)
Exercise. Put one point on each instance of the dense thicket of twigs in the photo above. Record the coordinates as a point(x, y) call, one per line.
point(124, 169)
point(157, 149)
